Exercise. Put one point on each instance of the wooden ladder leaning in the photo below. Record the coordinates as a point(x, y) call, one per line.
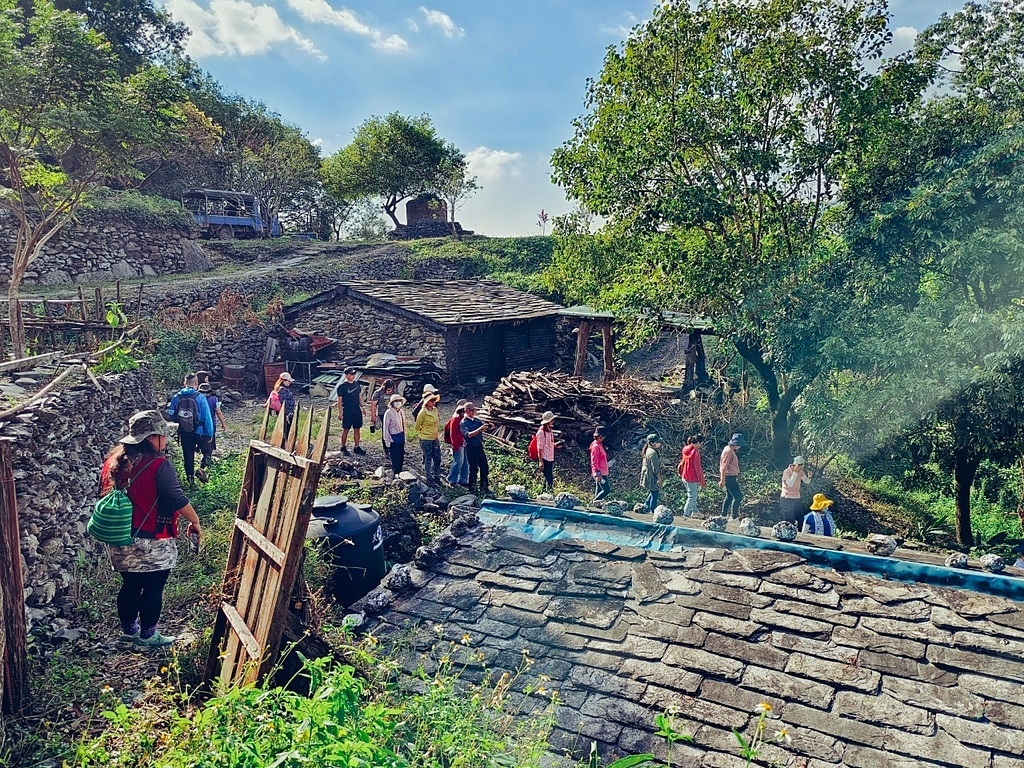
point(265, 551)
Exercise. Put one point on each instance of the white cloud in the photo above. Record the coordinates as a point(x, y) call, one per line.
point(236, 28)
point(492, 164)
point(621, 30)
point(902, 40)
point(321, 12)
point(443, 22)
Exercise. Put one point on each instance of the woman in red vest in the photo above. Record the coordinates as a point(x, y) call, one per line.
point(138, 466)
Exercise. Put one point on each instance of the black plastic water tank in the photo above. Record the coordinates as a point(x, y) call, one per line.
point(355, 542)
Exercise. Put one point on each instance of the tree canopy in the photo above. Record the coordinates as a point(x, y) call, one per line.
point(69, 120)
point(392, 158)
point(717, 139)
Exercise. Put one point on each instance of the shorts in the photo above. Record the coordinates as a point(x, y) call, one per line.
point(351, 419)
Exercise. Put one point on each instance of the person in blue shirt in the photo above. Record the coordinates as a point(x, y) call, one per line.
point(190, 411)
point(819, 521)
point(473, 430)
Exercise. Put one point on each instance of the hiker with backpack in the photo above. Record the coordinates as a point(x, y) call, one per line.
point(379, 406)
point(282, 399)
point(209, 445)
point(138, 467)
point(191, 412)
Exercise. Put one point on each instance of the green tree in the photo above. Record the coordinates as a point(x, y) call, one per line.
point(453, 185)
point(392, 158)
point(717, 139)
point(68, 122)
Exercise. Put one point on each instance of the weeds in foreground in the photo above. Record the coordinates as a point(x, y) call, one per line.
point(355, 714)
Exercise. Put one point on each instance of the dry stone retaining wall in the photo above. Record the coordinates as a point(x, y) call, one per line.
point(104, 249)
point(59, 446)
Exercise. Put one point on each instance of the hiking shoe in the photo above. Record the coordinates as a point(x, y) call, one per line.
point(130, 637)
point(359, 450)
point(202, 476)
point(156, 640)
point(344, 450)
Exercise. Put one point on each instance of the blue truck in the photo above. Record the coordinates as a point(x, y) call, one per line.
point(225, 214)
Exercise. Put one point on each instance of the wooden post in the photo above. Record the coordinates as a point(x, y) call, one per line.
point(138, 306)
point(100, 314)
point(15, 657)
point(608, 343)
point(85, 307)
point(582, 337)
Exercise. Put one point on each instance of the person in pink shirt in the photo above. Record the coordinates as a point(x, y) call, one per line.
point(691, 472)
point(546, 449)
point(599, 465)
point(794, 477)
point(729, 475)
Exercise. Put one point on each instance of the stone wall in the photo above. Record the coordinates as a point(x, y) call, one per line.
point(59, 447)
point(105, 249)
point(362, 329)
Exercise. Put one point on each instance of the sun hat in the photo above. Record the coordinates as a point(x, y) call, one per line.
point(547, 418)
point(469, 407)
point(653, 438)
point(799, 460)
point(431, 397)
point(429, 389)
point(205, 387)
point(396, 398)
point(145, 424)
point(738, 439)
point(286, 376)
point(820, 502)
point(461, 405)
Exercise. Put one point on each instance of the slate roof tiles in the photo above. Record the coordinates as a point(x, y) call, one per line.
point(867, 673)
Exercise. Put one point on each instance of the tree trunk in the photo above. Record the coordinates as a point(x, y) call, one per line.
point(782, 435)
point(16, 321)
point(965, 468)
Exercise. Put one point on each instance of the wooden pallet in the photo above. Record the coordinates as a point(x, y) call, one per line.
point(265, 552)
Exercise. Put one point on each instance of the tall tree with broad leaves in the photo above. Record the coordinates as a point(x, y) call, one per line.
point(717, 139)
point(392, 158)
point(69, 121)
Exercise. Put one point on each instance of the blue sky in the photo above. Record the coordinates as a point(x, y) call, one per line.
point(501, 79)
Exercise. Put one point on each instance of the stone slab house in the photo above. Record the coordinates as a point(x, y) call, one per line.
point(626, 623)
point(476, 330)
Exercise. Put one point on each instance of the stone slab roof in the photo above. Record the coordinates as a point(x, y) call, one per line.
point(865, 672)
point(453, 302)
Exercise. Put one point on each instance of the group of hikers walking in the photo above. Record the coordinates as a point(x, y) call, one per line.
point(464, 433)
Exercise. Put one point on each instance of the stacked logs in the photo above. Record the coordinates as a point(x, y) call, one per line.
point(520, 399)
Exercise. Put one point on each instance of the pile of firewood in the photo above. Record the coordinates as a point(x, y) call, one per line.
point(517, 404)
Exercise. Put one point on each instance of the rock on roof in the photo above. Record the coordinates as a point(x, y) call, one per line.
point(865, 672)
point(453, 302)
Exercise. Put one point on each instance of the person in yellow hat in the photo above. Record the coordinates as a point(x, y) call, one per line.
point(819, 521)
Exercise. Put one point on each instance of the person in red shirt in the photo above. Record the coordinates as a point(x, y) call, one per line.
point(599, 466)
point(691, 472)
point(459, 473)
point(137, 465)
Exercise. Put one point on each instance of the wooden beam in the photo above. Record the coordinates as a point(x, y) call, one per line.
point(264, 545)
point(252, 646)
point(582, 338)
point(13, 626)
point(608, 342)
point(25, 362)
point(279, 453)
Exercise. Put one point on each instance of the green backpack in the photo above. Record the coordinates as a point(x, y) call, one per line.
point(111, 519)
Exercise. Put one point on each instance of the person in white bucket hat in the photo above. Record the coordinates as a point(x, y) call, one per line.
point(546, 449)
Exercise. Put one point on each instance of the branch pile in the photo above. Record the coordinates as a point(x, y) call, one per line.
point(520, 399)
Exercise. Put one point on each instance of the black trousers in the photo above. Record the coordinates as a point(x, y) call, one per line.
point(733, 496)
point(397, 455)
point(477, 465)
point(190, 443)
point(549, 473)
point(141, 597)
